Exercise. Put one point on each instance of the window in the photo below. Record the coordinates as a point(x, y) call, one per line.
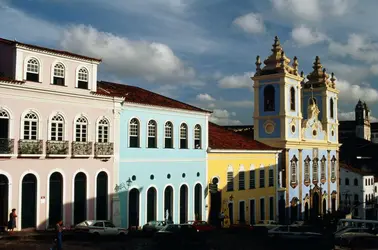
point(134, 133)
point(31, 126)
point(252, 209)
point(252, 179)
point(366, 182)
point(99, 224)
point(241, 211)
point(32, 70)
point(355, 181)
point(57, 128)
point(271, 178)
point(262, 209)
point(292, 99)
point(82, 78)
point(331, 112)
point(58, 77)
point(4, 124)
point(168, 135)
point(346, 181)
point(271, 208)
point(241, 180)
point(333, 168)
point(197, 137)
point(307, 169)
point(81, 129)
point(183, 136)
point(323, 168)
point(230, 180)
point(315, 169)
point(103, 131)
point(262, 178)
point(152, 142)
point(356, 198)
point(269, 92)
point(293, 169)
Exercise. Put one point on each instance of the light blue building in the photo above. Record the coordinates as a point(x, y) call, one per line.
point(162, 158)
point(300, 117)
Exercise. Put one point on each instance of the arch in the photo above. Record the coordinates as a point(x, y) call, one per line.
point(109, 186)
point(5, 128)
point(134, 207)
point(103, 129)
point(152, 134)
point(4, 199)
point(30, 118)
point(292, 99)
point(151, 196)
point(134, 133)
point(55, 198)
point(80, 197)
point(102, 180)
point(197, 136)
point(10, 121)
point(58, 74)
point(184, 197)
point(29, 195)
point(355, 182)
point(198, 201)
point(81, 125)
point(33, 69)
point(269, 98)
point(168, 135)
point(183, 136)
point(168, 203)
point(331, 108)
point(82, 77)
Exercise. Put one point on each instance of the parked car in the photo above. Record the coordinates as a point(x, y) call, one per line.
point(201, 226)
point(99, 228)
point(292, 232)
point(177, 235)
point(240, 227)
point(360, 241)
point(154, 226)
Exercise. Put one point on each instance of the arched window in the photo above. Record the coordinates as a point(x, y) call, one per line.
point(152, 140)
point(293, 169)
point(168, 135)
point(134, 133)
point(4, 125)
point(269, 100)
point(331, 109)
point(346, 181)
point(81, 129)
point(31, 124)
point(103, 131)
point(59, 73)
point(355, 181)
point(183, 136)
point(292, 99)
point(315, 173)
point(82, 78)
point(323, 168)
point(197, 137)
point(57, 128)
point(307, 170)
point(32, 70)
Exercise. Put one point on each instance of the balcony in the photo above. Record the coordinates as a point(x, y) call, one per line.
point(81, 149)
point(30, 148)
point(104, 149)
point(57, 148)
point(6, 146)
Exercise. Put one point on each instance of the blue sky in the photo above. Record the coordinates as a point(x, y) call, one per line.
point(203, 52)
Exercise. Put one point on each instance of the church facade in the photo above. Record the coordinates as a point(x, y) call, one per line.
point(299, 116)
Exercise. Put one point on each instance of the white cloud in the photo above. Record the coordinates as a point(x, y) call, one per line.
point(351, 116)
point(304, 36)
point(351, 93)
point(250, 23)
point(236, 81)
point(352, 72)
point(205, 97)
point(374, 69)
point(223, 117)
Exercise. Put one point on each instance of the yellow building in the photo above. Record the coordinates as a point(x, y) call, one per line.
point(242, 177)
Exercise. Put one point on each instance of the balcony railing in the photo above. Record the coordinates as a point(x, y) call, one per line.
point(81, 148)
point(57, 148)
point(6, 146)
point(30, 147)
point(104, 149)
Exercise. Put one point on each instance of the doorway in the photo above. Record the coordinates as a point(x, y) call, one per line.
point(183, 204)
point(29, 201)
point(231, 212)
point(151, 204)
point(102, 196)
point(134, 207)
point(55, 199)
point(198, 202)
point(80, 198)
point(4, 199)
point(168, 203)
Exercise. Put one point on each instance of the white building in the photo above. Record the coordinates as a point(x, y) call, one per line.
point(356, 192)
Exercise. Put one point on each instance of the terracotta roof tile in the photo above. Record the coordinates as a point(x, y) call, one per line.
point(222, 138)
point(142, 96)
point(61, 52)
point(5, 79)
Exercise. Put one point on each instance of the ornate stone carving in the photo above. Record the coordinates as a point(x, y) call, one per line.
point(323, 169)
point(57, 148)
point(30, 147)
point(293, 169)
point(104, 149)
point(6, 146)
point(307, 180)
point(81, 148)
point(319, 77)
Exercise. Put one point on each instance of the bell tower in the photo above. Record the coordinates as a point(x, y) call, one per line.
point(321, 89)
point(277, 98)
point(363, 129)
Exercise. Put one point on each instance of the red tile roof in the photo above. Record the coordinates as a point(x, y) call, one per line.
point(222, 138)
point(5, 79)
point(353, 169)
point(142, 96)
point(59, 52)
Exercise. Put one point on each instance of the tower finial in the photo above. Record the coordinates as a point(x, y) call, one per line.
point(333, 79)
point(258, 64)
point(295, 65)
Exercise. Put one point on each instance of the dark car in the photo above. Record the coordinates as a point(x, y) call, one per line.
point(201, 226)
point(154, 226)
point(177, 236)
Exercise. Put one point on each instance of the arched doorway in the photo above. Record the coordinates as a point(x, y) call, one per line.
point(306, 212)
point(80, 198)
point(102, 196)
point(168, 203)
point(29, 201)
point(4, 199)
point(324, 206)
point(134, 207)
point(55, 198)
point(183, 204)
point(151, 204)
point(282, 210)
point(231, 212)
point(215, 202)
point(198, 202)
point(315, 205)
point(294, 209)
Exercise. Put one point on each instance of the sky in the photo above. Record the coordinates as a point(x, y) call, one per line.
point(203, 52)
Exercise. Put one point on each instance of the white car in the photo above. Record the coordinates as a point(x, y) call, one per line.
point(292, 232)
point(100, 227)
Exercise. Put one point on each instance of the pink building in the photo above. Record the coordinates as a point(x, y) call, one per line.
point(57, 145)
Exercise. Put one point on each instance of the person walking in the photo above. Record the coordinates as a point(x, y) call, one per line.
point(12, 221)
point(59, 229)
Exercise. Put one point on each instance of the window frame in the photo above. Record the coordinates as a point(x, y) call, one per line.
point(26, 71)
point(130, 130)
point(267, 108)
point(78, 79)
point(38, 124)
point(51, 125)
point(292, 99)
point(172, 146)
point(197, 128)
point(184, 140)
point(252, 172)
point(77, 122)
point(270, 177)
point(53, 76)
point(230, 179)
point(331, 108)
point(155, 133)
point(241, 179)
point(8, 116)
point(262, 177)
point(101, 130)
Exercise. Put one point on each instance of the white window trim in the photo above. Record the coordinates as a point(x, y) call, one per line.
point(173, 135)
point(129, 131)
point(74, 127)
point(156, 203)
point(156, 134)
point(89, 76)
point(194, 136)
point(187, 135)
point(39, 124)
point(189, 215)
point(10, 121)
point(109, 128)
point(65, 72)
point(50, 125)
point(40, 73)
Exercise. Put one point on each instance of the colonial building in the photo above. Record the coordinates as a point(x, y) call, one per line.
point(242, 177)
point(162, 168)
point(300, 117)
point(56, 137)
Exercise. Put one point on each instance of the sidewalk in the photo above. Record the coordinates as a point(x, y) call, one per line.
point(32, 235)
